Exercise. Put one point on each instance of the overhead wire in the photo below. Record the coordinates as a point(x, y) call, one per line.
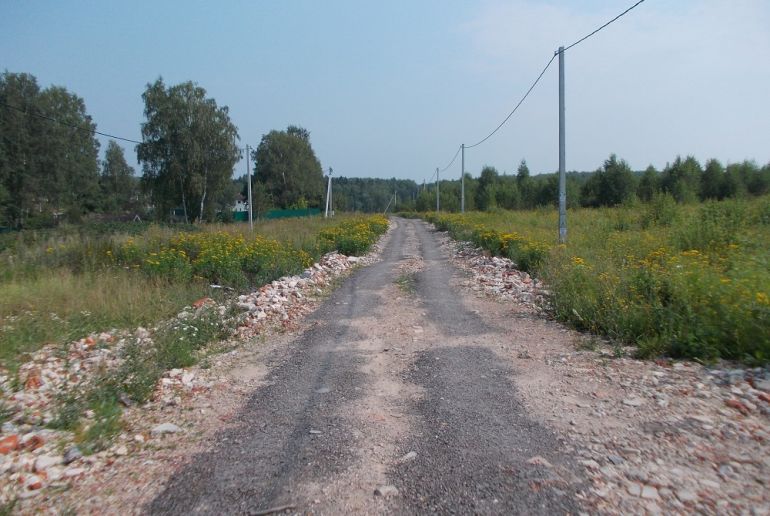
point(603, 26)
point(453, 160)
point(72, 126)
point(537, 80)
point(517, 105)
point(78, 128)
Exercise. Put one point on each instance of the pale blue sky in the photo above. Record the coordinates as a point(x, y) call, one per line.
point(392, 88)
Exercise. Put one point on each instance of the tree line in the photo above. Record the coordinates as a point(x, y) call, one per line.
point(614, 183)
point(50, 168)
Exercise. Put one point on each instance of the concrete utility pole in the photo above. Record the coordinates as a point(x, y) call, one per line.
point(438, 205)
point(390, 201)
point(329, 193)
point(462, 179)
point(562, 156)
point(248, 188)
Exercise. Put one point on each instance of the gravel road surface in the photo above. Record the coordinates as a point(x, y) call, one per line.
point(393, 401)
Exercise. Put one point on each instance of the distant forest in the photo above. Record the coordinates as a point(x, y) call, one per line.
point(614, 183)
point(50, 169)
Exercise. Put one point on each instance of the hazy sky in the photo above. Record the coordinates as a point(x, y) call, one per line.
point(391, 88)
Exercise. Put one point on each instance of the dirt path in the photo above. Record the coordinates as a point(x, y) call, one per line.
point(397, 387)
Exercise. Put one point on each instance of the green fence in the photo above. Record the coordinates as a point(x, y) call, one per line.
point(243, 216)
point(286, 214)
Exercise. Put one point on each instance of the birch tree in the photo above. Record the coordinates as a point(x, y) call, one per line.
point(188, 150)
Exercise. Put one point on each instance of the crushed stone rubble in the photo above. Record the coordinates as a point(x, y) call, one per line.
point(37, 460)
point(498, 277)
point(654, 437)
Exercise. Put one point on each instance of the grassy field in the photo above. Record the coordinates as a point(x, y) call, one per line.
point(60, 285)
point(680, 280)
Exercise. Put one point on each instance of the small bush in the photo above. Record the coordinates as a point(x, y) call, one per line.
point(662, 210)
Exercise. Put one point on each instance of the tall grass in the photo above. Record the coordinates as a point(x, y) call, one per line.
point(58, 305)
point(682, 280)
point(57, 286)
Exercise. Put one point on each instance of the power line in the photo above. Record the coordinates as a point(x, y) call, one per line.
point(517, 105)
point(72, 126)
point(603, 26)
point(451, 162)
point(84, 129)
point(543, 73)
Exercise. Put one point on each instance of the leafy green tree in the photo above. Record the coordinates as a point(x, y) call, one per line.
point(471, 192)
point(734, 184)
point(487, 189)
point(426, 200)
point(286, 169)
point(649, 184)
point(525, 185)
point(70, 166)
point(611, 185)
point(760, 184)
point(713, 181)
point(753, 180)
point(19, 146)
point(682, 179)
point(188, 150)
point(545, 191)
point(48, 153)
point(507, 194)
point(118, 184)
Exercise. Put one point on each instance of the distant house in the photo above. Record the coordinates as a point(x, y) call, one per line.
point(241, 209)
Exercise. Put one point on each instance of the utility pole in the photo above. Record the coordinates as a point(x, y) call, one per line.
point(390, 201)
point(462, 179)
point(562, 156)
point(248, 180)
point(438, 205)
point(329, 193)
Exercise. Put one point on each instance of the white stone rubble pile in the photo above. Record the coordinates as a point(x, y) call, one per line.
point(498, 276)
point(281, 300)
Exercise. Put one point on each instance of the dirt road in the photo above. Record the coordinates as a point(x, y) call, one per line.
point(399, 398)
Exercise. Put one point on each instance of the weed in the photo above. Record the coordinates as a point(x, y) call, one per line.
point(106, 424)
point(407, 282)
point(69, 408)
point(6, 509)
point(587, 343)
point(5, 412)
